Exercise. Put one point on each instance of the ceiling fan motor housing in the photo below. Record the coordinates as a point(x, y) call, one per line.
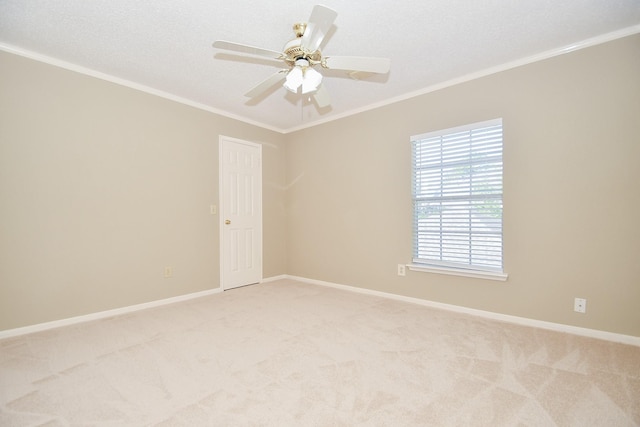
point(294, 51)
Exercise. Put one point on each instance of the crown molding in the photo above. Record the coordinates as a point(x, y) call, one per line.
point(478, 74)
point(452, 82)
point(128, 83)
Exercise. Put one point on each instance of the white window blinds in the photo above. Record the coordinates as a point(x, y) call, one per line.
point(457, 197)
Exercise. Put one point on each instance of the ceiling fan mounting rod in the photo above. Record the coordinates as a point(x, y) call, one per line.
point(299, 28)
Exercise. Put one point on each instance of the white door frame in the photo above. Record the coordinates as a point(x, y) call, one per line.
point(227, 278)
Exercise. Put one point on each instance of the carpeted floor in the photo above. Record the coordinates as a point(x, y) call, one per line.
point(292, 354)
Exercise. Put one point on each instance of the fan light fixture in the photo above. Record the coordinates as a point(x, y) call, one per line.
point(303, 75)
point(301, 56)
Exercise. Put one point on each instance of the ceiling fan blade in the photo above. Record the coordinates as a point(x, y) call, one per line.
point(319, 24)
point(243, 48)
point(322, 98)
point(266, 84)
point(358, 63)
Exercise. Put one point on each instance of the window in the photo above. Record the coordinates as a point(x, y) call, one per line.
point(457, 200)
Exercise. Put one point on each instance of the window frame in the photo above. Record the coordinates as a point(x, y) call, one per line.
point(446, 267)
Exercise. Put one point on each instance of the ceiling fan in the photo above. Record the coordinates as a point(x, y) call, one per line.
point(302, 55)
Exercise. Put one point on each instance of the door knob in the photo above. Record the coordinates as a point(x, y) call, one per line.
point(226, 221)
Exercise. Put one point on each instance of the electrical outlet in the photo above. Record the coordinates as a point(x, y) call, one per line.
point(580, 305)
point(168, 272)
point(402, 270)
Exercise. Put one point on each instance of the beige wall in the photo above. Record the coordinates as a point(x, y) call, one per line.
point(102, 186)
point(571, 197)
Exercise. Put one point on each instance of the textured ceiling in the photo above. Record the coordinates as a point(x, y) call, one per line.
point(165, 45)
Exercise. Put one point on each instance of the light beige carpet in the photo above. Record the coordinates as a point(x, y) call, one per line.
point(292, 354)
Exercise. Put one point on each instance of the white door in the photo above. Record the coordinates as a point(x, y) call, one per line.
point(240, 213)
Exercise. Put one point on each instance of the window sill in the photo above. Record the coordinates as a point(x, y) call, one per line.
point(478, 274)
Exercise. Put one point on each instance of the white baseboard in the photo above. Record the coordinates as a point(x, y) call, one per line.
point(558, 327)
point(274, 278)
point(115, 312)
point(103, 314)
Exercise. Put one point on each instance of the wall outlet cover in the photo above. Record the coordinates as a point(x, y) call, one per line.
point(580, 305)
